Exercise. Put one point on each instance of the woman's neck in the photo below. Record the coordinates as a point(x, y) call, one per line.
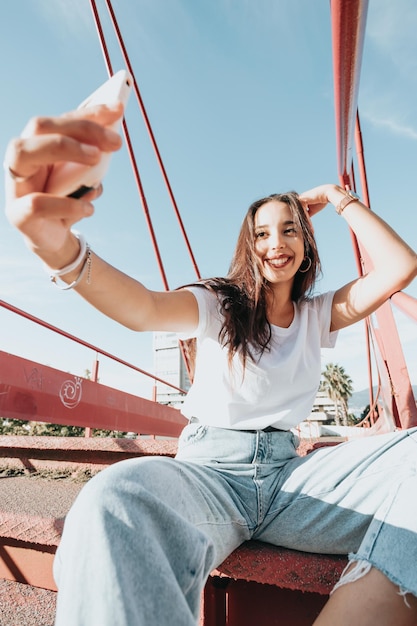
point(280, 309)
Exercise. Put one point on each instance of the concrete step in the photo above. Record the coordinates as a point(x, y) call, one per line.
point(24, 605)
point(39, 479)
point(75, 454)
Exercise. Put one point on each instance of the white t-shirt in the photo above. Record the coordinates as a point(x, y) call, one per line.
point(279, 389)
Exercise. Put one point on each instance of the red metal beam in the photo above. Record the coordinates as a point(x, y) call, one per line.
point(397, 390)
point(348, 31)
point(132, 158)
point(35, 392)
point(406, 303)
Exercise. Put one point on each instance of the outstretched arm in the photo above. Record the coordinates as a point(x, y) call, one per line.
point(46, 220)
point(394, 263)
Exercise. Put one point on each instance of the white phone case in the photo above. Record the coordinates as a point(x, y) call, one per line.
point(74, 179)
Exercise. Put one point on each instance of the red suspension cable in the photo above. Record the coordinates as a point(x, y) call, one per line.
point(132, 158)
point(152, 138)
point(186, 349)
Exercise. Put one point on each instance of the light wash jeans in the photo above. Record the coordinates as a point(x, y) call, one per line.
point(144, 534)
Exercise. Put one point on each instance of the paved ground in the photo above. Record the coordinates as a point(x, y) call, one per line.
point(22, 605)
point(29, 508)
point(37, 495)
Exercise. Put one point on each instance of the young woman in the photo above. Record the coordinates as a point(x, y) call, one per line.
point(143, 535)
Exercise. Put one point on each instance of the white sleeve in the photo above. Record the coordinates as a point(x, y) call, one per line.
point(207, 312)
point(323, 305)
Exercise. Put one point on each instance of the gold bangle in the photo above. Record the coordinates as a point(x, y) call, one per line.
point(350, 196)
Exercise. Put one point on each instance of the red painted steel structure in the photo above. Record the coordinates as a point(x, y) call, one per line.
point(96, 349)
point(406, 303)
point(32, 391)
point(348, 32)
point(35, 392)
point(348, 28)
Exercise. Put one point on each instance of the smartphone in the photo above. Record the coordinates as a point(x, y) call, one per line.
point(74, 179)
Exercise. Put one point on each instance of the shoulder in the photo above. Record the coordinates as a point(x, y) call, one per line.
point(317, 314)
point(201, 293)
point(209, 309)
point(319, 302)
point(216, 292)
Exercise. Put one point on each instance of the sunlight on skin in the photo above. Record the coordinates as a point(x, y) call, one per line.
point(368, 601)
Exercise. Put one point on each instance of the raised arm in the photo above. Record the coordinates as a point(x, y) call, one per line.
point(46, 220)
point(394, 263)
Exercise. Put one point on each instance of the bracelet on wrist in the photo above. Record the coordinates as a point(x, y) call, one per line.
point(84, 257)
point(74, 264)
point(85, 266)
point(350, 196)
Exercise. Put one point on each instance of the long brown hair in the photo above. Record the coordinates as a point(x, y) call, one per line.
point(242, 293)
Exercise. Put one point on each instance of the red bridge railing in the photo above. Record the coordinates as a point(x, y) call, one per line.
point(35, 392)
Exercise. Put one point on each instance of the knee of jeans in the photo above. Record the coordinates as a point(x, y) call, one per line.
point(115, 486)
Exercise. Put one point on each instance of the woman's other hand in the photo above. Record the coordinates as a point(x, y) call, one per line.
point(318, 197)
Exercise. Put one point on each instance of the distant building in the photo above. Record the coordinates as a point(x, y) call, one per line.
point(169, 365)
point(320, 422)
point(324, 409)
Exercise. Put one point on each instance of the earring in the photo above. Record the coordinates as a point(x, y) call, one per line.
point(304, 271)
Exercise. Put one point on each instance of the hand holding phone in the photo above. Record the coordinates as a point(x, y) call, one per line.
point(74, 179)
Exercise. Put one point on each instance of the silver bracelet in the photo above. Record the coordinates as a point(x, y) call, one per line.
point(74, 264)
point(86, 266)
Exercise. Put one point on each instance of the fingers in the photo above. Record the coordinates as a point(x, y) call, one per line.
point(102, 114)
point(39, 207)
point(45, 221)
point(87, 120)
point(79, 136)
point(25, 157)
point(315, 199)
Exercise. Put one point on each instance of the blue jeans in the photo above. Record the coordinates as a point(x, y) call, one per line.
point(144, 534)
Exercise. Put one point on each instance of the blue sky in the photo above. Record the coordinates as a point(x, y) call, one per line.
point(240, 98)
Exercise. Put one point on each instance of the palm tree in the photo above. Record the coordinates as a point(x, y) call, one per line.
point(338, 386)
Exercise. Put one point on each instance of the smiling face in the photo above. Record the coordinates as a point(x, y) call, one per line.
point(279, 243)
